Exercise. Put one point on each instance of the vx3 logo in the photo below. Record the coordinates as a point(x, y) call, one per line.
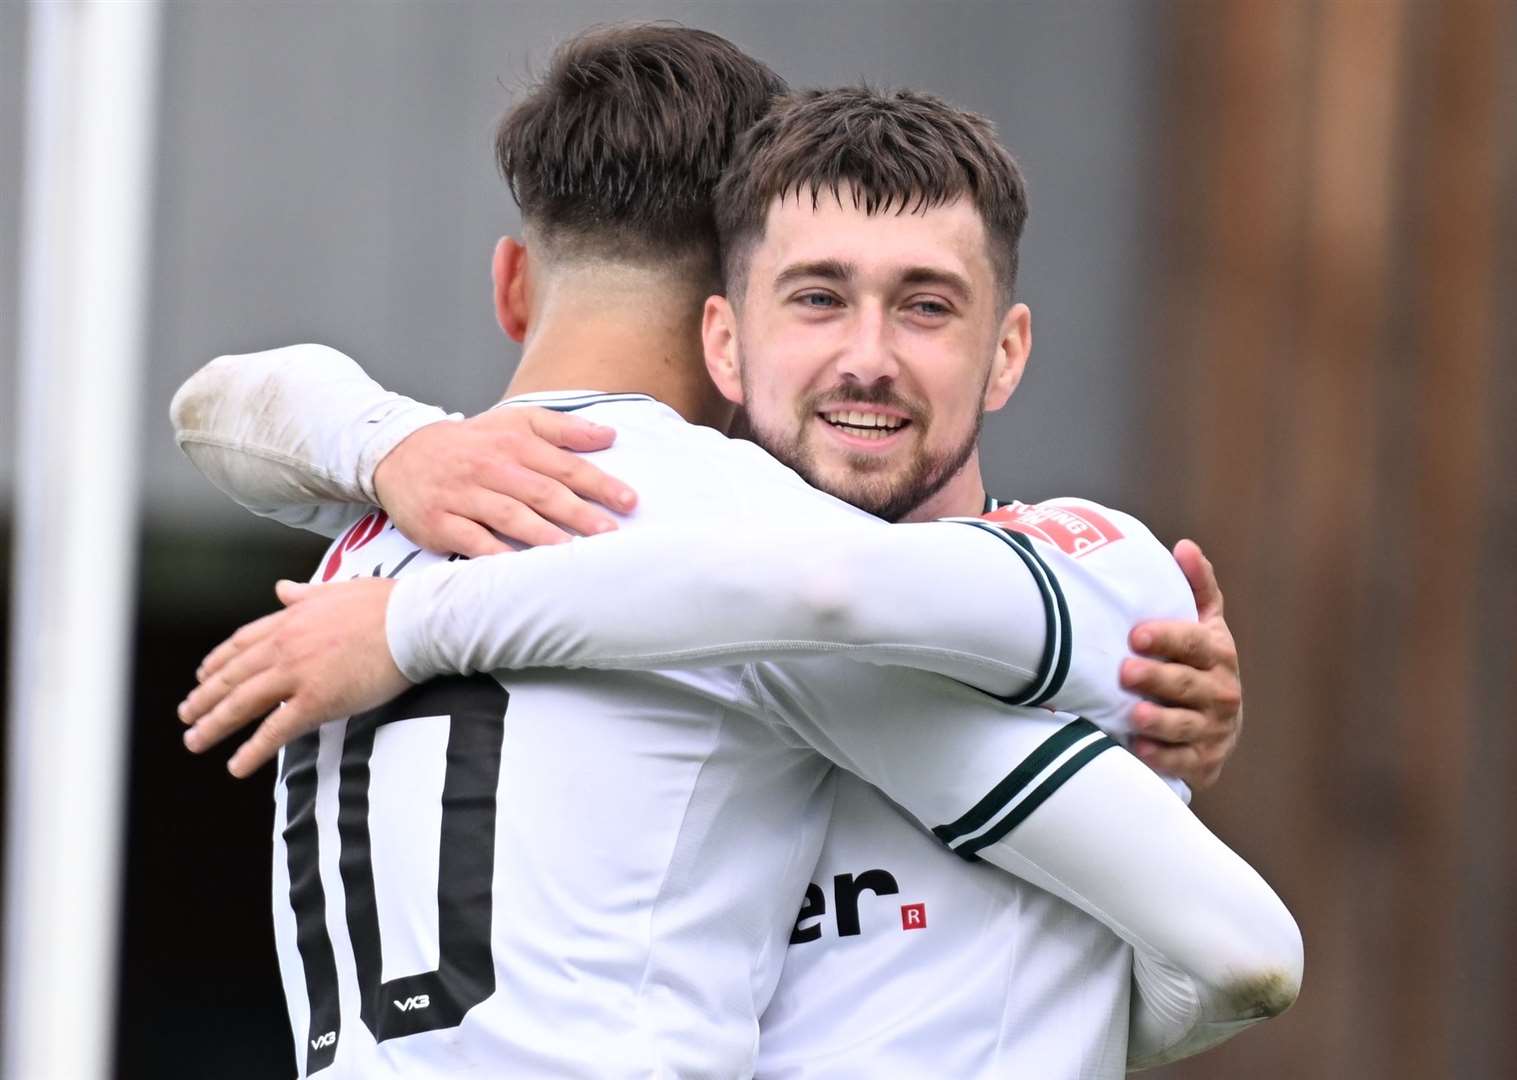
point(323, 1041)
point(420, 1001)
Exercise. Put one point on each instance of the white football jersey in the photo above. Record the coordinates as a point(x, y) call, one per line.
point(547, 873)
point(906, 961)
point(593, 873)
point(597, 874)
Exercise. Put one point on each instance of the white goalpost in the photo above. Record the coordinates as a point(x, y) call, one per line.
point(91, 88)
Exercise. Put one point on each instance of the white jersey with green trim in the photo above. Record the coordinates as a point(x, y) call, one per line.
point(576, 874)
point(654, 953)
point(906, 961)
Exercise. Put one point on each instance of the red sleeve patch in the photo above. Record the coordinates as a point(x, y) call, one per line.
point(364, 529)
point(1074, 530)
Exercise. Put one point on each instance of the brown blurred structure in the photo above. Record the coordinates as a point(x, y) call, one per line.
point(1333, 416)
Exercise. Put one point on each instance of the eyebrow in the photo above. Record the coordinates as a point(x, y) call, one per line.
point(837, 270)
point(826, 269)
point(932, 275)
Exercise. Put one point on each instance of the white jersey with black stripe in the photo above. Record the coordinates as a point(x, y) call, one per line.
point(654, 953)
point(545, 873)
point(597, 873)
point(906, 961)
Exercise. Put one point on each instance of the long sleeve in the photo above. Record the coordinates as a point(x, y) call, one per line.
point(1014, 616)
point(1056, 802)
point(293, 434)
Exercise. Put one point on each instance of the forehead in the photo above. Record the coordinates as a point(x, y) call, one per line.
point(951, 236)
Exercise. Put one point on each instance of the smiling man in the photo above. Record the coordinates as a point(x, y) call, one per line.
point(597, 798)
point(870, 355)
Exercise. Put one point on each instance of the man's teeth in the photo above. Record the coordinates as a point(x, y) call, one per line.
point(865, 425)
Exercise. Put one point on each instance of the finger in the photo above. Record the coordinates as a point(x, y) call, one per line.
point(1198, 764)
point(244, 638)
point(469, 538)
point(538, 486)
point(203, 698)
point(1177, 640)
point(1182, 762)
point(516, 521)
point(1202, 577)
point(282, 727)
point(1169, 684)
point(581, 477)
point(247, 702)
point(569, 431)
point(217, 686)
point(291, 592)
point(521, 495)
point(1174, 726)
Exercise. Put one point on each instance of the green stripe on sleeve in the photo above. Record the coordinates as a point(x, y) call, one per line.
point(993, 804)
point(1053, 665)
point(1019, 813)
point(1064, 648)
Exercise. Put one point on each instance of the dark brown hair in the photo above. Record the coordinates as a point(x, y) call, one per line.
point(617, 149)
point(897, 150)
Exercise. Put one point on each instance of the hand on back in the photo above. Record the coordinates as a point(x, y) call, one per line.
point(511, 472)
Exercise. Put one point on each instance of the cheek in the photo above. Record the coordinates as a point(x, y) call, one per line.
point(955, 391)
point(790, 366)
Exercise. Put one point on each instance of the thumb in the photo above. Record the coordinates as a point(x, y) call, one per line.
point(290, 592)
point(1202, 578)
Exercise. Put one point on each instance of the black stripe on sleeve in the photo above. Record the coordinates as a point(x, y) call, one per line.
point(1016, 781)
point(1057, 665)
point(1053, 665)
point(970, 849)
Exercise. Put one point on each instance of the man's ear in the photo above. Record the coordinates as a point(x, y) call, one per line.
point(508, 274)
point(1010, 358)
point(719, 338)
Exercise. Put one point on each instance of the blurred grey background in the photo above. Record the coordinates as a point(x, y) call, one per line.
point(325, 173)
point(1269, 258)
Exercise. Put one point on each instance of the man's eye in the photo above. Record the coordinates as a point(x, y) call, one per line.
point(930, 308)
point(818, 300)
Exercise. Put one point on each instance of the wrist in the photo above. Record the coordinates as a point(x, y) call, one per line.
point(415, 643)
point(386, 435)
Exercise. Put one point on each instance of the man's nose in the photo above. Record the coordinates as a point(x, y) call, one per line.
point(869, 355)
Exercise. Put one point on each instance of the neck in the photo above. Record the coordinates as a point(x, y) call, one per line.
point(600, 333)
point(962, 496)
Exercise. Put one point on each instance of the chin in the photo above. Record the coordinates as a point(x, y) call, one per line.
point(870, 492)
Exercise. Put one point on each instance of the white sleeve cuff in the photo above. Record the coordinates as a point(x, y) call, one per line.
point(387, 432)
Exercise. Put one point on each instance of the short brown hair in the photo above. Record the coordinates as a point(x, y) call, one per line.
point(899, 150)
point(617, 149)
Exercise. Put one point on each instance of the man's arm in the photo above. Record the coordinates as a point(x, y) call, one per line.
point(1016, 617)
point(1054, 801)
point(304, 436)
point(1012, 614)
point(288, 434)
point(299, 434)
point(293, 434)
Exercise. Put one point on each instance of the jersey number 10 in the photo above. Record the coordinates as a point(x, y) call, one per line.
point(465, 975)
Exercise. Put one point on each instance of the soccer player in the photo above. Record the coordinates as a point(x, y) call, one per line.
point(971, 745)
